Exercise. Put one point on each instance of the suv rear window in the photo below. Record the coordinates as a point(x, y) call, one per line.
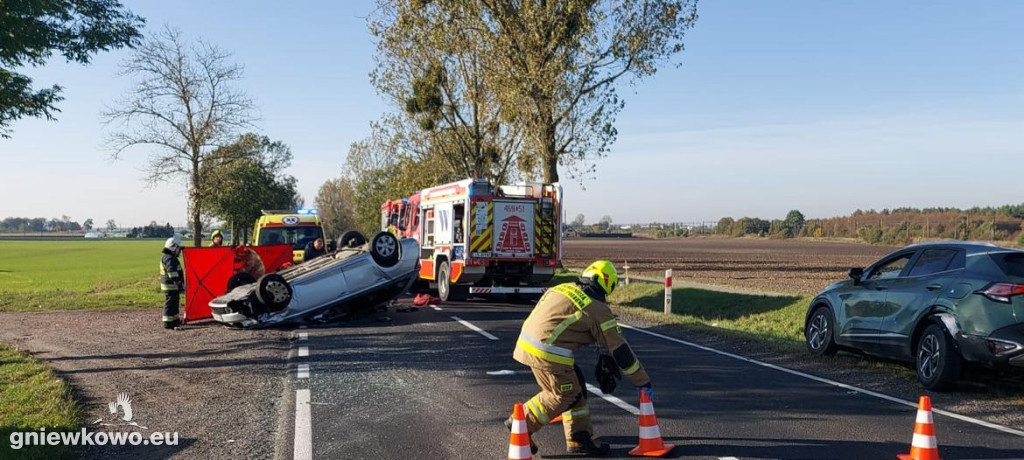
point(1011, 263)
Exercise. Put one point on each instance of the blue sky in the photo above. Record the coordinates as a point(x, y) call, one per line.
point(821, 106)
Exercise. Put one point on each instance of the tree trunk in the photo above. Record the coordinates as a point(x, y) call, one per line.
point(550, 154)
point(194, 197)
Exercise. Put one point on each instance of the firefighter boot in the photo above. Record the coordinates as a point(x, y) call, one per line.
point(582, 443)
point(508, 426)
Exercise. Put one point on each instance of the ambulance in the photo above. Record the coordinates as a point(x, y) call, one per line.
point(294, 227)
point(480, 238)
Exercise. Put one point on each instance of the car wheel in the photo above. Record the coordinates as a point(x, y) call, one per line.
point(273, 291)
point(938, 360)
point(351, 239)
point(385, 249)
point(445, 290)
point(819, 333)
point(240, 279)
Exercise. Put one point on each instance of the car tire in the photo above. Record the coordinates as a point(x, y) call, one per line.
point(819, 332)
point(385, 249)
point(937, 360)
point(273, 291)
point(445, 289)
point(240, 279)
point(351, 239)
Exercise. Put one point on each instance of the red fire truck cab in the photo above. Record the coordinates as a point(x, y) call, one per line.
point(479, 238)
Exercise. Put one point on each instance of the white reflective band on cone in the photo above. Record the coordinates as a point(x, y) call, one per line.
point(651, 432)
point(924, 442)
point(519, 451)
point(924, 416)
point(646, 409)
point(519, 426)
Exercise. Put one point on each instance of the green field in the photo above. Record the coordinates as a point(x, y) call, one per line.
point(32, 397)
point(72, 275)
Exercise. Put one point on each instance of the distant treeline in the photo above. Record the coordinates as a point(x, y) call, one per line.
point(891, 226)
point(42, 224)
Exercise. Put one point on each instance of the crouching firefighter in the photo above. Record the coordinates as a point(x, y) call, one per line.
point(172, 280)
point(568, 317)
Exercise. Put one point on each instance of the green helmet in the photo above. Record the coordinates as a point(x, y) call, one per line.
point(603, 273)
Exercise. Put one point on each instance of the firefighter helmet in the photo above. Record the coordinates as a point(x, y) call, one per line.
point(216, 233)
point(603, 273)
point(173, 243)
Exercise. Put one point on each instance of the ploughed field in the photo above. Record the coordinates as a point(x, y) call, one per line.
point(784, 266)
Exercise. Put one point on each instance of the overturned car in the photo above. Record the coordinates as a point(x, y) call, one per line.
point(359, 274)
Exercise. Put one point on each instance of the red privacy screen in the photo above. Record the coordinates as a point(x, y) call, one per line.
point(207, 271)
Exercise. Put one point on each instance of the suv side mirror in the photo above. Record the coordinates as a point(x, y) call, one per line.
point(856, 273)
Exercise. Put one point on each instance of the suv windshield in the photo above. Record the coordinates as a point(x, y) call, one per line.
point(298, 237)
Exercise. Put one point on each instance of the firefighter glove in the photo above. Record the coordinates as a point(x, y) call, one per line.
point(607, 373)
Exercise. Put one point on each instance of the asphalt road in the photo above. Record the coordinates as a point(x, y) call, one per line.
point(425, 385)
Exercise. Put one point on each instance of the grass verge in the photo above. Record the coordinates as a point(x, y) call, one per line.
point(31, 398)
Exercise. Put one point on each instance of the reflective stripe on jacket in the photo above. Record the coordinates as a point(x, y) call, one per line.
point(171, 276)
point(565, 319)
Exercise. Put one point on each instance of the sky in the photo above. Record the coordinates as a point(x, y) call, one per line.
point(825, 107)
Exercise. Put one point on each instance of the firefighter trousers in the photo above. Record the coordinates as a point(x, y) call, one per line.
point(562, 393)
point(171, 300)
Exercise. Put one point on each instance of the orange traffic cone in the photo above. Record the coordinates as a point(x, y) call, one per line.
point(924, 446)
point(555, 420)
point(519, 440)
point(650, 444)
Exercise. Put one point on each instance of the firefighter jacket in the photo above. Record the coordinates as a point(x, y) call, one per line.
point(172, 278)
point(568, 317)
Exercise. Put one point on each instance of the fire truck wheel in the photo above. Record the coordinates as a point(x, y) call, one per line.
point(385, 249)
point(240, 279)
point(351, 239)
point(445, 290)
point(273, 291)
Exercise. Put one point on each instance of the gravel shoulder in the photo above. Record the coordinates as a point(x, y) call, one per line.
point(220, 389)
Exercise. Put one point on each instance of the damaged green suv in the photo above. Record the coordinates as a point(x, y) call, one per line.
point(934, 304)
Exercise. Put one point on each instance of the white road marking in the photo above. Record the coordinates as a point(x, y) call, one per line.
point(612, 399)
point(303, 327)
point(435, 307)
point(303, 352)
point(830, 382)
point(473, 327)
point(302, 372)
point(728, 458)
point(501, 372)
point(303, 427)
point(303, 336)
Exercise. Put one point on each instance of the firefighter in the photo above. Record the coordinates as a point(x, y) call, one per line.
point(570, 316)
point(313, 250)
point(218, 239)
point(172, 280)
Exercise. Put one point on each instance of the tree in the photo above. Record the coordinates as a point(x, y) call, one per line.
point(794, 222)
point(186, 105)
point(579, 221)
point(34, 29)
point(336, 203)
point(111, 225)
point(724, 226)
point(434, 70)
point(244, 178)
point(555, 66)
point(605, 223)
point(87, 225)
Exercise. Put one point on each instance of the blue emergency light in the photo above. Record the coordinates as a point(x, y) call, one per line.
point(308, 212)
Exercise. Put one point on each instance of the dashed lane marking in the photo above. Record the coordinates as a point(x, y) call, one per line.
point(616, 401)
point(302, 371)
point(303, 352)
point(828, 382)
point(303, 336)
point(435, 307)
point(303, 449)
point(473, 327)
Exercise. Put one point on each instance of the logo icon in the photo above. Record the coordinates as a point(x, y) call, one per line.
point(513, 236)
point(124, 402)
point(289, 220)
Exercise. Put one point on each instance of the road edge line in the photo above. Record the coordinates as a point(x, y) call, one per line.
point(844, 386)
point(614, 400)
point(303, 448)
point(473, 327)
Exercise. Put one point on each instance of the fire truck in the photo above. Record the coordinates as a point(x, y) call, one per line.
point(480, 238)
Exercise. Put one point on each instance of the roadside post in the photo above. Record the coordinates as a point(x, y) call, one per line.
point(668, 291)
point(625, 266)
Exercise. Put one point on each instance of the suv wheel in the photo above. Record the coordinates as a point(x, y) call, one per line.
point(819, 333)
point(273, 291)
point(938, 361)
point(385, 249)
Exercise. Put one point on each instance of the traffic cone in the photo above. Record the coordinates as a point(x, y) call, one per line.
point(519, 439)
point(924, 446)
point(650, 444)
